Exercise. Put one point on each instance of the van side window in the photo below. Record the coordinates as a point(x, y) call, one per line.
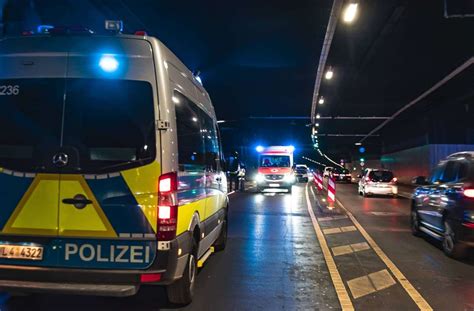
point(463, 171)
point(211, 143)
point(190, 142)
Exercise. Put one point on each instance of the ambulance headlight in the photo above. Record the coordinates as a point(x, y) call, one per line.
point(108, 63)
point(260, 178)
point(290, 178)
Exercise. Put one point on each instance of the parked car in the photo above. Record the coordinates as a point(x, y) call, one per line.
point(378, 181)
point(443, 204)
point(301, 173)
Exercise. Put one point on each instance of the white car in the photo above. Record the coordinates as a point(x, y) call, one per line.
point(327, 171)
point(302, 173)
point(378, 181)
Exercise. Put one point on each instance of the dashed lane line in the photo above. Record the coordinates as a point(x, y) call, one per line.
point(349, 249)
point(341, 291)
point(407, 286)
point(339, 230)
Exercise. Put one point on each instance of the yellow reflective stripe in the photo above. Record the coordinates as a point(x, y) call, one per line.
point(37, 211)
point(186, 212)
point(143, 183)
point(90, 221)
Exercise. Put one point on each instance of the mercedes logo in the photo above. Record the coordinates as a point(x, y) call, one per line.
point(60, 159)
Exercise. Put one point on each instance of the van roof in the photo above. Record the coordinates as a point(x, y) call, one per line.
point(19, 44)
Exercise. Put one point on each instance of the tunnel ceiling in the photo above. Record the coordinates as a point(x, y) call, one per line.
point(259, 58)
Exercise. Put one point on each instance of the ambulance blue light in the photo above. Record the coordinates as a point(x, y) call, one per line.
point(44, 28)
point(108, 63)
point(259, 148)
point(198, 78)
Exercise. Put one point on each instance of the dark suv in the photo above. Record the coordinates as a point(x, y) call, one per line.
point(443, 204)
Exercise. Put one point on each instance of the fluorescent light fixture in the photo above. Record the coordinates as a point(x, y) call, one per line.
point(329, 74)
point(321, 100)
point(358, 144)
point(317, 124)
point(350, 12)
point(318, 116)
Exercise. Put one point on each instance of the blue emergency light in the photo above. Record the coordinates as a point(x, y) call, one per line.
point(108, 63)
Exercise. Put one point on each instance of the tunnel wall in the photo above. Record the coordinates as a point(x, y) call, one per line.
point(419, 161)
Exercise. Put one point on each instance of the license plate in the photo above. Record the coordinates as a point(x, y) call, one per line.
point(27, 252)
point(274, 185)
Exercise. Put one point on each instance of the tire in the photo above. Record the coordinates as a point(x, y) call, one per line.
point(451, 247)
point(415, 223)
point(182, 291)
point(395, 196)
point(259, 189)
point(221, 241)
point(290, 189)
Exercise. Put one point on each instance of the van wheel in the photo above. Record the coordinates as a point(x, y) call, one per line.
point(451, 246)
point(182, 291)
point(290, 189)
point(221, 241)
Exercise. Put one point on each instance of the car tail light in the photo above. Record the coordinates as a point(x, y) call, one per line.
point(367, 179)
point(150, 278)
point(167, 206)
point(394, 180)
point(469, 193)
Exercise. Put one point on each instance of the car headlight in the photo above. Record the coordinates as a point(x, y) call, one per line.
point(289, 178)
point(260, 178)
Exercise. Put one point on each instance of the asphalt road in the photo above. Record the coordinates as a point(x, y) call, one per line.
point(279, 257)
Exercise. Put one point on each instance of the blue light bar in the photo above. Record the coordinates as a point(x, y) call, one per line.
point(259, 148)
point(108, 63)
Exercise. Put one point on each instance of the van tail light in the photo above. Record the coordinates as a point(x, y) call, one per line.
point(469, 193)
point(167, 206)
point(367, 179)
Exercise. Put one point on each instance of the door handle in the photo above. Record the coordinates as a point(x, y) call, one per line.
point(79, 201)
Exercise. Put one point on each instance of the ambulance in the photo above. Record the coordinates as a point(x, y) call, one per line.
point(111, 172)
point(275, 168)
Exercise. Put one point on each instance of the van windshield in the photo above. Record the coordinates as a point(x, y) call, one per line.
point(101, 124)
point(274, 161)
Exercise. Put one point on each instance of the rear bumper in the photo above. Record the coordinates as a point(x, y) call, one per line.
point(391, 190)
point(70, 288)
point(96, 282)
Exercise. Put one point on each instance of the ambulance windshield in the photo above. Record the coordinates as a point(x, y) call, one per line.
point(274, 161)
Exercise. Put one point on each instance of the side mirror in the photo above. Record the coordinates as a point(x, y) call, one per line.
point(419, 180)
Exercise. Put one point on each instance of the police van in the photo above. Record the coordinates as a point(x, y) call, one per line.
point(110, 166)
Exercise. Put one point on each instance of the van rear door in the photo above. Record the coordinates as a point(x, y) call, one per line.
point(31, 100)
point(108, 189)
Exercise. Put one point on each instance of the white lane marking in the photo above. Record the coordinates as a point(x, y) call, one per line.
point(341, 291)
point(407, 286)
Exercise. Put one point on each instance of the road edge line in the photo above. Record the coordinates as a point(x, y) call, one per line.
point(407, 286)
point(341, 291)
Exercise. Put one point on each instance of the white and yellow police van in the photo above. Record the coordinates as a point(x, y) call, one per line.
point(110, 166)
